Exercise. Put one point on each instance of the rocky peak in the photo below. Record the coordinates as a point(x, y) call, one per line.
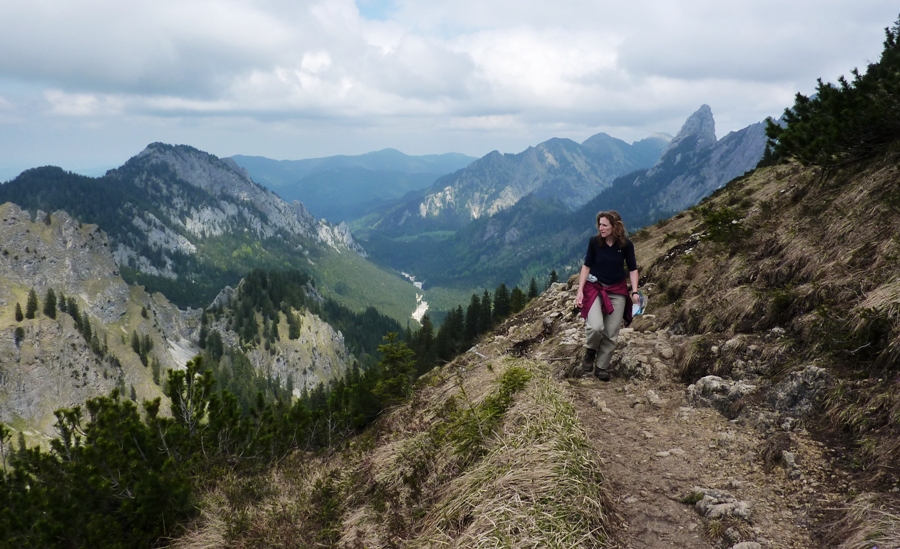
point(196, 167)
point(224, 178)
point(700, 128)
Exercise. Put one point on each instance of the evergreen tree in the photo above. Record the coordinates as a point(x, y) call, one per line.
point(204, 330)
point(848, 122)
point(155, 370)
point(472, 322)
point(517, 299)
point(554, 278)
point(19, 316)
point(502, 306)
point(86, 328)
point(50, 304)
point(61, 302)
point(135, 342)
point(146, 345)
point(424, 346)
point(214, 345)
point(31, 306)
point(485, 321)
point(449, 340)
point(532, 289)
point(293, 326)
point(396, 368)
point(72, 308)
point(19, 335)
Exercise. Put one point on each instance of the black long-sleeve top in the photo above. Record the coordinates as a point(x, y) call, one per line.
point(606, 262)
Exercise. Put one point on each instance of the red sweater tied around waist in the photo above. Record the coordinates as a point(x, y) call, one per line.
point(593, 289)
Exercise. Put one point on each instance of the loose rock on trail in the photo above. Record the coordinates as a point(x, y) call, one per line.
point(682, 474)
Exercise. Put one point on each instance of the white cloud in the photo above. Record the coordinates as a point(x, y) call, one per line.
point(305, 78)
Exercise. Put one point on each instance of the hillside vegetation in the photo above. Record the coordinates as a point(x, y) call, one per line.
point(797, 266)
point(775, 301)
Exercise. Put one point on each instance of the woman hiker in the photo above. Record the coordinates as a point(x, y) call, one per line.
point(603, 291)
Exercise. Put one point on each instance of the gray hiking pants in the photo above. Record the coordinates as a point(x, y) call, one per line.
point(601, 331)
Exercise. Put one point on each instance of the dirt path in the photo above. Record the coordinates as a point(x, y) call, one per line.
point(658, 450)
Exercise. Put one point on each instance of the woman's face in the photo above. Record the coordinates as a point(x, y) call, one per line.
point(605, 227)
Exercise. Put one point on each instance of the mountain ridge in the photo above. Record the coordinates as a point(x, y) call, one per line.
point(186, 223)
point(541, 232)
point(559, 168)
point(347, 187)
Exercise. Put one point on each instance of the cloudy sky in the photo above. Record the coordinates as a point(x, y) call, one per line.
point(86, 84)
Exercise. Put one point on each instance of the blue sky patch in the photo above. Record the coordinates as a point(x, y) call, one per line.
point(376, 10)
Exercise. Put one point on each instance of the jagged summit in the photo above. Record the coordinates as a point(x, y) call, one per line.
point(695, 163)
point(700, 126)
point(698, 133)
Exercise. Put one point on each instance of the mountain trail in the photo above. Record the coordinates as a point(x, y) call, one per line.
point(682, 474)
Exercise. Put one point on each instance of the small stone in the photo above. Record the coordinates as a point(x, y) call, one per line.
point(789, 460)
point(732, 535)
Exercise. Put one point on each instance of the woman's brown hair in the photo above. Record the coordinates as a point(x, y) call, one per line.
point(618, 227)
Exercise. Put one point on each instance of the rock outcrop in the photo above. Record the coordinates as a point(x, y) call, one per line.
point(695, 164)
point(238, 200)
point(48, 362)
point(55, 364)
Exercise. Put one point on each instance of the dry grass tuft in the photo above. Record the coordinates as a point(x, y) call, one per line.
point(695, 359)
point(867, 522)
point(490, 454)
point(727, 529)
point(771, 451)
point(538, 486)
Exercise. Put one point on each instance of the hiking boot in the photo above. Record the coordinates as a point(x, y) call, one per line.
point(602, 374)
point(587, 363)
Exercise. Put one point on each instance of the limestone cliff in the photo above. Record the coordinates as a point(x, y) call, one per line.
point(48, 363)
point(695, 164)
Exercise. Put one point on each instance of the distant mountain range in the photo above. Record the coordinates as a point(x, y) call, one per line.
point(508, 218)
point(342, 188)
point(556, 170)
point(187, 223)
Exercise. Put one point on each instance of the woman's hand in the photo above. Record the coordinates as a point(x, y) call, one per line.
point(579, 297)
point(635, 298)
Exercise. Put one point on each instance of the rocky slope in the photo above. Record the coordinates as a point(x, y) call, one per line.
point(239, 203)
point(753, 405)
point(48, 363)
point(53, 365)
